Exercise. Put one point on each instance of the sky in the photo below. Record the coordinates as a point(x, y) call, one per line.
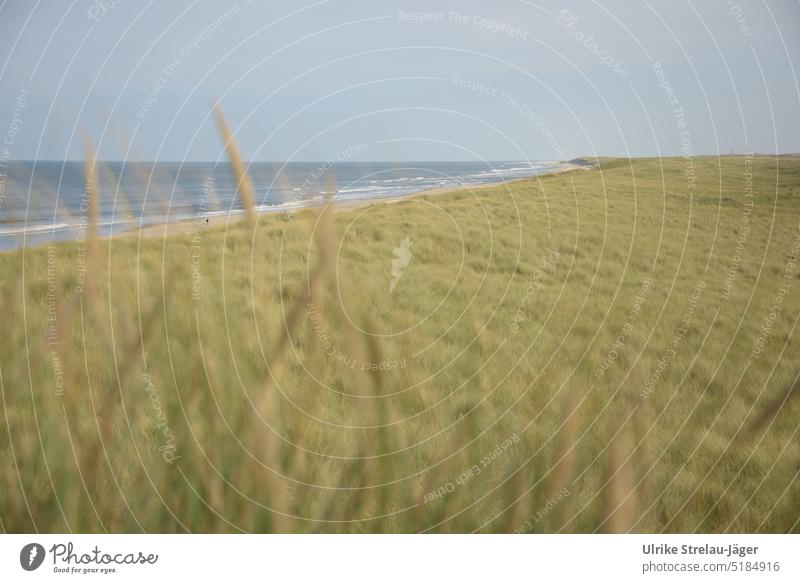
point(433, 80)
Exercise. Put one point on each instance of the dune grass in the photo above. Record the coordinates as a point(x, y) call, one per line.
point(602, 350)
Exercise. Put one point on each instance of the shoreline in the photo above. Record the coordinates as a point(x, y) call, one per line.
point(190, 225)
point(183, 226)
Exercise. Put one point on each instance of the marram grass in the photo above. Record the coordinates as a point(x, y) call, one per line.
point(611, 349)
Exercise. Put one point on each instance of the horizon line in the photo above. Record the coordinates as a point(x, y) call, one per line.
point(563, 161)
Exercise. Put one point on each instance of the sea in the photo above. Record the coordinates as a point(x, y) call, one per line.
point(46, 201)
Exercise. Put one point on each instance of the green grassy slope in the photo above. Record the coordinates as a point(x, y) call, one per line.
point(597, 350)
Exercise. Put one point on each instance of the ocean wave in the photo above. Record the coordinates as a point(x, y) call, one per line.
point(36, 228)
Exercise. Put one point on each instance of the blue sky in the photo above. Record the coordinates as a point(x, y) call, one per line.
point(435, 80)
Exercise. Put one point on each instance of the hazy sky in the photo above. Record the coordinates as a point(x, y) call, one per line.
point(433, 80)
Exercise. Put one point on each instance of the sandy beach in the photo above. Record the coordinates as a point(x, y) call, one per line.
point(190, 225)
